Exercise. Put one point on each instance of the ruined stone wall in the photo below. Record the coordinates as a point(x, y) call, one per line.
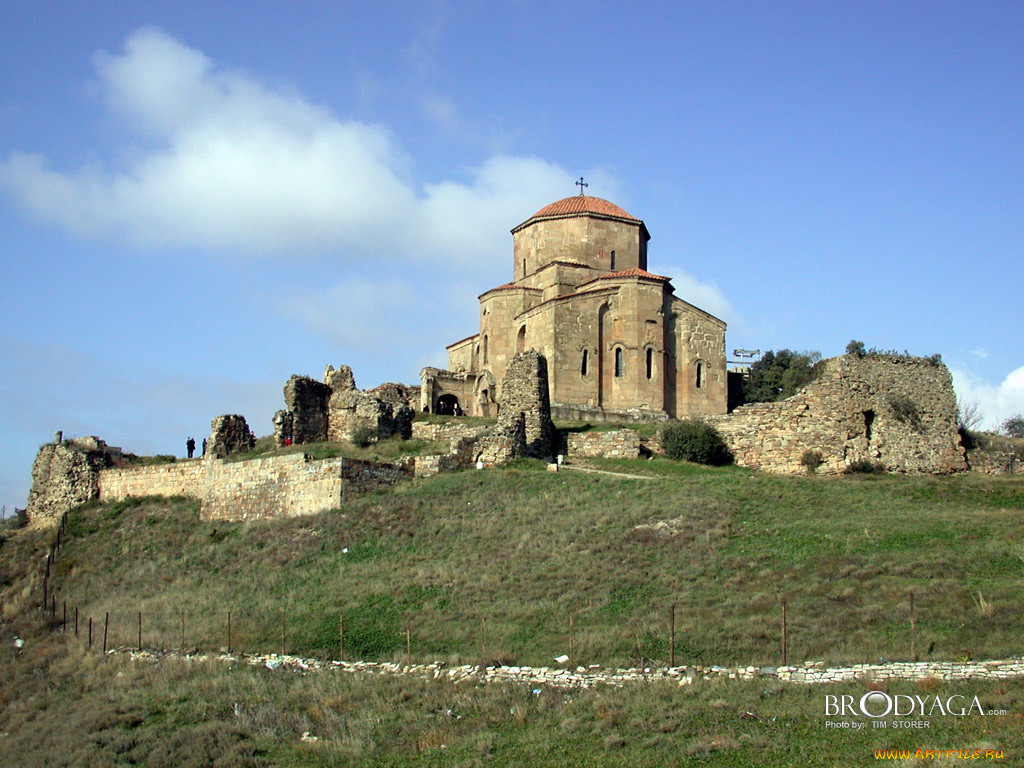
point(524, 425)
point(64, 474)
point(277, 486)
point(304, 419)
point(228, 435)
point(182, 478)
point(422, 430)
point(620, 443)
point(995, 462)
point(894, 410)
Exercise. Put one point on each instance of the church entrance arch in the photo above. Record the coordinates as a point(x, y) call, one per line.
point(448, 405)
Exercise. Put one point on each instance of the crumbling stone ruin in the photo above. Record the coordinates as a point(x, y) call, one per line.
point(229, 434)
point(335, 409)
point(524, 427)
point(895, 410)
point(66, 473)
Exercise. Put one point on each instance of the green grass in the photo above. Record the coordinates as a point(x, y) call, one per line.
point(521, 550)
point(516, 552)
point(63, 706)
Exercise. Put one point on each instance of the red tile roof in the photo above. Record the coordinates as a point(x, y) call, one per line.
point(632, 273)
point(583, 204)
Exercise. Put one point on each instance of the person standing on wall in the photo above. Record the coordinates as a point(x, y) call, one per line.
point(190, 446)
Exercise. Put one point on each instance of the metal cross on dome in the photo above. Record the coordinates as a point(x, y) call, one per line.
point(581, 185)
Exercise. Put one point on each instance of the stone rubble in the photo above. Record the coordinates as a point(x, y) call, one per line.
point(809, 673)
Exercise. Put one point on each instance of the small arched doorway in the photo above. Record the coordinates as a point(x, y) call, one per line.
point(448, 405)
point(521, 340)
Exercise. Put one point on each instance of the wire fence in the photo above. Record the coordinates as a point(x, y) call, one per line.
point(569, 636)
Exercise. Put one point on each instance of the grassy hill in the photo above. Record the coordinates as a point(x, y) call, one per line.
point(491, 566)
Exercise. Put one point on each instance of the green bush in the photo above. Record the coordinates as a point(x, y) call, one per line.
point(864, 467)
point(696, 441)
point(812, 460)
point(905, 411)
point(364, 436)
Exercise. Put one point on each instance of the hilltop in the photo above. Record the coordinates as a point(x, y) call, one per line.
point(490, 566)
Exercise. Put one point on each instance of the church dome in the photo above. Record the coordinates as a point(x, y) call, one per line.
point(582, 204)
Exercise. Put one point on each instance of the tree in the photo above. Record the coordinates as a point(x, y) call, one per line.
point(968, 414)
point(1014, 426)
point(778, 375)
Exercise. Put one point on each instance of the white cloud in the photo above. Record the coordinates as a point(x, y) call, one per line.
point(709, 297)
point(227, 164)
point(996, 402)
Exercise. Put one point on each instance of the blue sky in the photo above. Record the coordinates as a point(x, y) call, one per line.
point(197, 201)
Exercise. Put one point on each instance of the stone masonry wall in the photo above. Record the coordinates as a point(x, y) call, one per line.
point(65, 474)
point(894, 410)
point(278, 486)
point(524, 425)
point(620, 443)
point(422, 430)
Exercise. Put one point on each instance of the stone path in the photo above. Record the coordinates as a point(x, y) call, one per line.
point(577, 468)
point(588, 677)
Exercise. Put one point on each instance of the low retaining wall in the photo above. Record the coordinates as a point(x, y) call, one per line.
point(618, 443)
point(422, 430)
point(278, 486)
point(994, 462)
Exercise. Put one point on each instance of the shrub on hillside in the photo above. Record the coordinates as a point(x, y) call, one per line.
point(697, 441)
point(364, 435)
point(864, 467)
point(812, 460)
point(905, 411)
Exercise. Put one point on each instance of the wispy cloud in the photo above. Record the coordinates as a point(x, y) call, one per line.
point(997, 402)
point(227, 164)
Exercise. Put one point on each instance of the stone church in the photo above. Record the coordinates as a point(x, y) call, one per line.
point(619, 344)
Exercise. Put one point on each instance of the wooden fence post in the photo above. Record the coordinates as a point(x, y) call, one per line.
point(784, 638)
point(140, 631)
point(672, 635)
point(90, 633)
point(572, 655)
point(229, 632)
point(913, 629)
point(106, 625)
point(341, 637)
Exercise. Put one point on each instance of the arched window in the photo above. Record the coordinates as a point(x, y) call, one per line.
point(650, 362)
point(485, 348)
point(700, 374)
point(613, 260)
point(620, 364)
point(521, 340)
point(583, 365)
